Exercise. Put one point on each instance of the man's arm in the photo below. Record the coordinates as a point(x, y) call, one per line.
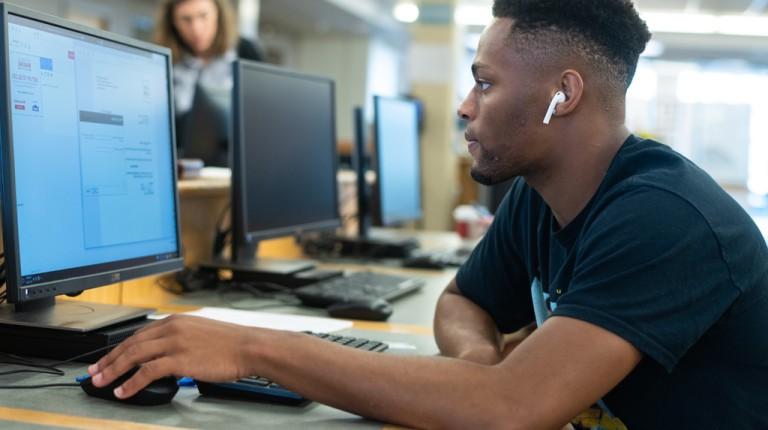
point(557, 372)
point(464, 330)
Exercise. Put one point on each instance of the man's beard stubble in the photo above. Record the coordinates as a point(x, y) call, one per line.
point(492, 174)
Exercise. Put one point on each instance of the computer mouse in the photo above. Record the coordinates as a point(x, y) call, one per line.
point(371, 310)
point(157, 392)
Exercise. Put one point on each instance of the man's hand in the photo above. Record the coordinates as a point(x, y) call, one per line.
point(178, 345)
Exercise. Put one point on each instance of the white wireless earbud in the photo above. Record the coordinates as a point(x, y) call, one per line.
point(558, 98)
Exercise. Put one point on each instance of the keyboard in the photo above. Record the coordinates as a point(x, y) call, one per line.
point(356, 286)
point(261, 389)
point(436, 260)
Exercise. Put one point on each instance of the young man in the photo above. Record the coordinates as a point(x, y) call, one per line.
point(648, 284)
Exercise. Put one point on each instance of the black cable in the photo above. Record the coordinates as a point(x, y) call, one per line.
point(38, 371)
point(37, 368)
point(69, 360)
point(220, 238)
point(4, 292)
point(28, 387)
point(20, 361)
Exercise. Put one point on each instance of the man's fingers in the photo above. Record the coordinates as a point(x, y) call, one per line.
point(148, 372)
point(146, 333)
point(131, 355)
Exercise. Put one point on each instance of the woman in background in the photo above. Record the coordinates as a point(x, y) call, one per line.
point(204, 40)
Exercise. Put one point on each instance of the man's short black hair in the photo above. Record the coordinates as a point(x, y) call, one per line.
point(608, 33)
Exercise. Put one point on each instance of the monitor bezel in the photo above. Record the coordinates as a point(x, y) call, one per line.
point(237, 153)
point(380, 218)
point(84, 277)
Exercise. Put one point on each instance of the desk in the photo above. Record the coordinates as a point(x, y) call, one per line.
point(70, 408)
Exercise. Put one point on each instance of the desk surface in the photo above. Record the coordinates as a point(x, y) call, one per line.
point(70, 407)
point(408, 332)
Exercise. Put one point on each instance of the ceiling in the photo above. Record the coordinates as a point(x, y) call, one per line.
point(717, 7)
point(362, 17)
point(700, 47)
point(720, 7)
point(357, 17)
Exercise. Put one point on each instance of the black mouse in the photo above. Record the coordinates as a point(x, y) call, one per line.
point(372, 310)
point(156, 393)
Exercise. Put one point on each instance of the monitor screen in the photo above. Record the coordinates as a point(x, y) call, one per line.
point(89, 176)
point(398, 161)
point(285, 150)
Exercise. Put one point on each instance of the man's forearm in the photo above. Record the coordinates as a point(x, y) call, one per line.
point(407, 390)
point(464, 330)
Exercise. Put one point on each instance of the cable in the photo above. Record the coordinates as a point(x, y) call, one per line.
point(4, 291)
point(52, 370)
point(220, 238)
point(28, 387)
point(37, 368)
point(69, 360)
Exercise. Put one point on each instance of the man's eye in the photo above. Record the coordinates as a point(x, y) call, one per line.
point(483, 85)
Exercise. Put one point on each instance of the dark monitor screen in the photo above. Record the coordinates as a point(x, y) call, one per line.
point(398, 161)
point(88, 190)
point(284, 159)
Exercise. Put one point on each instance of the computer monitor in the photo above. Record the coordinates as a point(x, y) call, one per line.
point(88, 169)
point(397, 161)
point(396, 195)
point(283, 156)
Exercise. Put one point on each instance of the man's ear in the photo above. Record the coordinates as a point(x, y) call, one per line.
point(572, 85)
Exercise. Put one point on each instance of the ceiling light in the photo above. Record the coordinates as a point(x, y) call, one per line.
point(406, 11)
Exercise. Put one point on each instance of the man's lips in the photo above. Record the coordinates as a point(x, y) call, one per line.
point(472, 146)
point(472, 143)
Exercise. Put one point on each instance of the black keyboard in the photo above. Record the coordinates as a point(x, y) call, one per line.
point(356, 286)
point(263, 390)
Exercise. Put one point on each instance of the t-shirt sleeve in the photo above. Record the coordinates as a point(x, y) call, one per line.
point(650, 270)
point(494, 277)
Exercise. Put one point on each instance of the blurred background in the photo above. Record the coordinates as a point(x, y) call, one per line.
point(701, 86)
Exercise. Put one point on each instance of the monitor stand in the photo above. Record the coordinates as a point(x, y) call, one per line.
point(246, 267)
point(68, 329)
point(362, 246)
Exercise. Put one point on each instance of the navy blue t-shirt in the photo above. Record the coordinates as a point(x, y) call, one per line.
point(662, 257)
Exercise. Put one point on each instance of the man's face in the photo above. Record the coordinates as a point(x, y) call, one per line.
point(502, 110)
point(197, 24)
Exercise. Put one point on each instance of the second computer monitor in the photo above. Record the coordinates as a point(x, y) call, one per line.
point(398, 161)
point(284, 154)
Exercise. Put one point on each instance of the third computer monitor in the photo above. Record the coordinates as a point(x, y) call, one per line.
point(397, 161)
